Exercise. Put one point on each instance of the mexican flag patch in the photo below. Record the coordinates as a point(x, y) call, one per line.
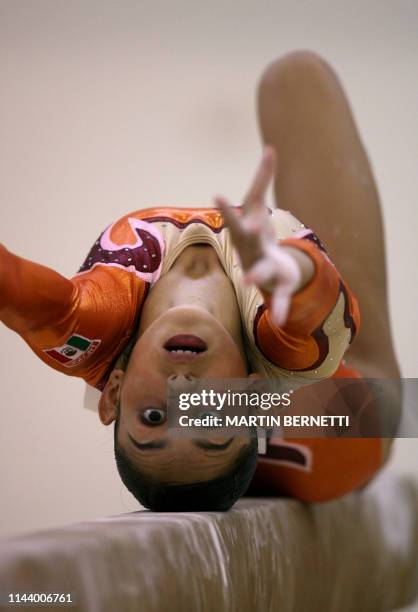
point(75, 350)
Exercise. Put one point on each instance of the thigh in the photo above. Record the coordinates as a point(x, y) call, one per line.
point(324, 178)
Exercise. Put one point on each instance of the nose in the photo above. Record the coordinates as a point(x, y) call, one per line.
point(182, 383)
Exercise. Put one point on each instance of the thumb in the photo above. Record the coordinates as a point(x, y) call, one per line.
point(280, 305)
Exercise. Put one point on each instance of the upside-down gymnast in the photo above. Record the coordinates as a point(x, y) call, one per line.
point(172, 295)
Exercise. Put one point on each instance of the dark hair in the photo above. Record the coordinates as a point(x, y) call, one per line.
point(219, 494)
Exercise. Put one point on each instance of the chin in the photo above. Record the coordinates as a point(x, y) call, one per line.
point(189, 318)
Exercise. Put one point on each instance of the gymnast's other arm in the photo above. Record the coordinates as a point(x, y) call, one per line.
point(309, 316)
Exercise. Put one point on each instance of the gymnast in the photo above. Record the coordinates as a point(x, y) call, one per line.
point(168, 296)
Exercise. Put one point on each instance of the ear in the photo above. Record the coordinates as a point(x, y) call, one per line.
point(108, 404)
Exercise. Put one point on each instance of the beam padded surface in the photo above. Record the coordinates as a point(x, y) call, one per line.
point(356, 553)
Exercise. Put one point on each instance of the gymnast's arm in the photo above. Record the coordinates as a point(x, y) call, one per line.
point(33, 296)
point(322, 319)
point(76, 326)
point(309, 316)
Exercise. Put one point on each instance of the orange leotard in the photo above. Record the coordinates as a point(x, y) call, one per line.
point(79, 326)
point(323, 468)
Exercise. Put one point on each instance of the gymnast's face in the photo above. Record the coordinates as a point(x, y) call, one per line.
point(177, 349)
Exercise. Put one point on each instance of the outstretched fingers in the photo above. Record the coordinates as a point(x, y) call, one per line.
point(231, 218)
point(264, 175)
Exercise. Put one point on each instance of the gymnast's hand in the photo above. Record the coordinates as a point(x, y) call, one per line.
point(278, 270)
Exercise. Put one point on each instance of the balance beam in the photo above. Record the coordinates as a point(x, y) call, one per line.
point(357, 553)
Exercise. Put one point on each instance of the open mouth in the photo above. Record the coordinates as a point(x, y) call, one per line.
point(185, 345)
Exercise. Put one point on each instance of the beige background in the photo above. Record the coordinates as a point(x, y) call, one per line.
point(107, 107)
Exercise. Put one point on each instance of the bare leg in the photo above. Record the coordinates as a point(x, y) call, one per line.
point(324, 178)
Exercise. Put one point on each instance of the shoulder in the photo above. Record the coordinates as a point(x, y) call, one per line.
point(285, 223)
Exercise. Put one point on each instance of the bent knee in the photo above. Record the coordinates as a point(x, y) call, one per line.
point(294, 69)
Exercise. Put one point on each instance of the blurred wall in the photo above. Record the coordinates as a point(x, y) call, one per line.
point(108, 107)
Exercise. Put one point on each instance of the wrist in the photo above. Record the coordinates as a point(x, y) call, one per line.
point(305, 264)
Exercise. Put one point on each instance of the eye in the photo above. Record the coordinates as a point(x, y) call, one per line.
point(153, 416)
